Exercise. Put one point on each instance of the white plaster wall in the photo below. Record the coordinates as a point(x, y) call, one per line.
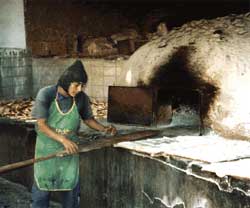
point(12, 27)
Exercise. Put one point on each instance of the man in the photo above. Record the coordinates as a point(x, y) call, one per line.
point(58, 110)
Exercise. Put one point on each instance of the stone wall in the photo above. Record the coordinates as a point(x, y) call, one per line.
point(17, 144)
point(15, 73)
point(212, 56)
point(102, 73)
point(116, 177)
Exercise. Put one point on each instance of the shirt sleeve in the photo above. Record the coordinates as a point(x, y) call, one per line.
point(42, 104)
point(85, 107)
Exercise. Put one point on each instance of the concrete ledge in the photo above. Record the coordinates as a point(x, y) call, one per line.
point(123, 177)
point(116, 177)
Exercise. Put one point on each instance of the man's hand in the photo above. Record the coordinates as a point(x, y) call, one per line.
point(70, 147)
point(110, 130)
point(92, 123)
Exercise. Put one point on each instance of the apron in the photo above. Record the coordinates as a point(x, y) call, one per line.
point(60, 173)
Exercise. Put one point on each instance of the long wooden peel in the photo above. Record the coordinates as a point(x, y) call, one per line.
point(97, 144)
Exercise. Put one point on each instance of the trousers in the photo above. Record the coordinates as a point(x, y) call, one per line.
point(70, 199)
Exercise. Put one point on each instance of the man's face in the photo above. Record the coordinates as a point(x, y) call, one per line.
point(75, 88)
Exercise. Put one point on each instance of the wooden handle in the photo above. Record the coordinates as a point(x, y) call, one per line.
point(100, 143)
point(28, 162)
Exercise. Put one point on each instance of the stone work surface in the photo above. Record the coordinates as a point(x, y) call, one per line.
point(212, 56)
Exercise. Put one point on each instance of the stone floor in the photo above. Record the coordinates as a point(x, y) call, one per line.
point(14, 195)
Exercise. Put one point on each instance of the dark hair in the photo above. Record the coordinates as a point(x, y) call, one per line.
point(74, 73)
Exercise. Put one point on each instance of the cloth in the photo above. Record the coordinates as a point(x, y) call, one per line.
point(47, 95)
point(70, 199)
point(74, 73)
point(60, 173)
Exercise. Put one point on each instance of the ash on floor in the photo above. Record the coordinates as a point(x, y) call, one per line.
point(14, 195)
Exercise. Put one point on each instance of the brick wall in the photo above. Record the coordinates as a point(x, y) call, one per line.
point(54, 27)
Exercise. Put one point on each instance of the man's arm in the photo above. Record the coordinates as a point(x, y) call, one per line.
point(94, 124)
point(69, 146)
